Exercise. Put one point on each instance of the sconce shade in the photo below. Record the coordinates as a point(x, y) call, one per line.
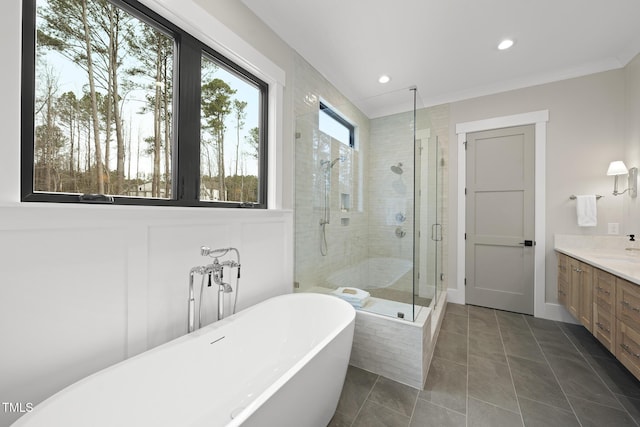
point(617, 168)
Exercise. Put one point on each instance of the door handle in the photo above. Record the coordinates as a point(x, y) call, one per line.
point(527, 243)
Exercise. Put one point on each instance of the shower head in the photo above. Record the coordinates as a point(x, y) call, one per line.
point(397, 169)
point(341, 158)
point(332, 163)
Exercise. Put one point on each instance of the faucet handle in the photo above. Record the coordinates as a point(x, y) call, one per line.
point(632, 237)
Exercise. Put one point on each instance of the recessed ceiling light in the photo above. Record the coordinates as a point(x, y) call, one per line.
point(505, 44)
point(384, 79)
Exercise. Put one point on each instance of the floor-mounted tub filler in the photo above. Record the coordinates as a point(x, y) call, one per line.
point(279, 363)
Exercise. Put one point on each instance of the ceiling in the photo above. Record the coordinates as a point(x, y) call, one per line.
point(448, 48)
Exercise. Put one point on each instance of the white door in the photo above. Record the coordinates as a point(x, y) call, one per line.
point(500, 219)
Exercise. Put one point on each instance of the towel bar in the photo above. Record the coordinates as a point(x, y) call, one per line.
point(573, 197)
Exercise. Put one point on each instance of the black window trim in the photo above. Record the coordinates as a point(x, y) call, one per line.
point(338, 118)
point(186, 118)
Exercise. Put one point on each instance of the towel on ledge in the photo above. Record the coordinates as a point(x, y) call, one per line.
point(587, 210)
point(354, 296)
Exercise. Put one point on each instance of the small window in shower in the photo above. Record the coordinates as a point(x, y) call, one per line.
point(333, 124)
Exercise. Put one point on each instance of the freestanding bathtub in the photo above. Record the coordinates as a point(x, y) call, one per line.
point(279, 363)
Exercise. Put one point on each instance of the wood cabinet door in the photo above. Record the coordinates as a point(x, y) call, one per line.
point(586, 296)
point(563, 280)
point(573, 297)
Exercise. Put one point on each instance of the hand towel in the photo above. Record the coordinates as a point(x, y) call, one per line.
point(587, 210)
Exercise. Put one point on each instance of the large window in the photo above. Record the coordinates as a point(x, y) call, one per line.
point(121, 106)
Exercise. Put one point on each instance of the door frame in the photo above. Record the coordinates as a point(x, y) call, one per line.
point(539, 119)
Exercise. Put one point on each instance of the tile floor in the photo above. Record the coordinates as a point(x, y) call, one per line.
point(500, 369)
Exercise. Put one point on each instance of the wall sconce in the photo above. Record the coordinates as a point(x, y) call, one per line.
point(618, 168)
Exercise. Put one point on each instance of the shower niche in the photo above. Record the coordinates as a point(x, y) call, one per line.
point(345, 202)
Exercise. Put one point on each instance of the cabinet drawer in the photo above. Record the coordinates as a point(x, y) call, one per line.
point(604, 289)
point(604, 327)
point(628, 303)
point(628, 348)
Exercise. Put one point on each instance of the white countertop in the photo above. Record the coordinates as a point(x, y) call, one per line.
point(606, 255)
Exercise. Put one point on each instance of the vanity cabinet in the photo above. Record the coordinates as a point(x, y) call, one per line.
point(607, 305)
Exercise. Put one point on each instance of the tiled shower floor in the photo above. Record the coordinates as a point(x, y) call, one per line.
point(500, 369)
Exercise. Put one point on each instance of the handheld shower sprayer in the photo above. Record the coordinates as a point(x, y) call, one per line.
point(326, 211)
point(206, 251)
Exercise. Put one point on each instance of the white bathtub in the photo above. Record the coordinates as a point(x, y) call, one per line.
point(371, 273)
point(279, 363)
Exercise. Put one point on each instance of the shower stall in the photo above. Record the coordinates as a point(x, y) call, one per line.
point(369, 201)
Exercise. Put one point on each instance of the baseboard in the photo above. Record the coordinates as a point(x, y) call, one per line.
point(558, 313)
point(455, 296)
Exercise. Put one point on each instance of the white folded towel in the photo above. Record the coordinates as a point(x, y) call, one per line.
point(586, 210)
point(354, 296)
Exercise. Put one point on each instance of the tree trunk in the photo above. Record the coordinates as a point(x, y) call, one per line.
point(94, 103)
point(48, 140)
point(157, 119)
point(167, 130)
point(113, 66)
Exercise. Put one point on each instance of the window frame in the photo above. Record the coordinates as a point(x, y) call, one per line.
point(185, 159)
point(331, 112)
